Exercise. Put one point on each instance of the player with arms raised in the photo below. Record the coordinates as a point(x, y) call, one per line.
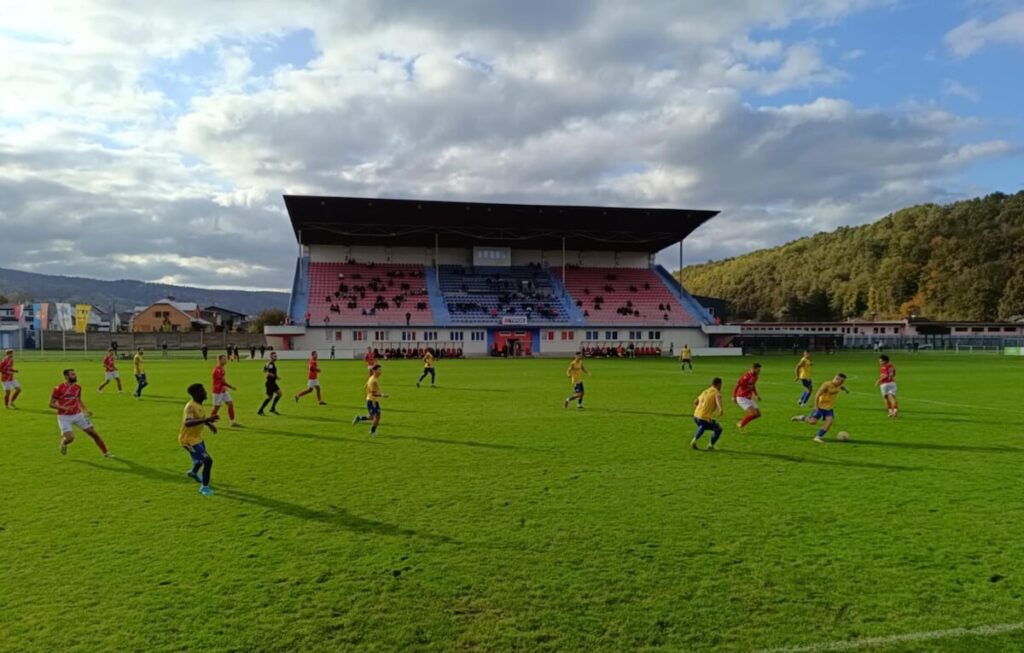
point(706, 406)
point(66, 399)
point(745, 395)
point(221, 386)
point(887, 382)
point(824, 406)
point(110, 372)
point(11, 387)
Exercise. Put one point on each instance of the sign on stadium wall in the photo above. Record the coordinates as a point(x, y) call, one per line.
point(514, 319)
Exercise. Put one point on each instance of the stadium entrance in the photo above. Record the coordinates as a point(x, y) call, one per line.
point(513, 343)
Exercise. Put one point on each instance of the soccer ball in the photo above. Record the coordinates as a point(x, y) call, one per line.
point(843, 436)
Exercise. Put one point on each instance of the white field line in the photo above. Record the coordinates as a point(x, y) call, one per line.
point(924, 636)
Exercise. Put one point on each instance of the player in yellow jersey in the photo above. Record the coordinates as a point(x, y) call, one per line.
point(428, 368)
point(191, 437)
point(803, 375)
point(373, 397)
point(824, 406)
point(575, 373)
point(685, 358)
point(705, 407)
point(140, 373)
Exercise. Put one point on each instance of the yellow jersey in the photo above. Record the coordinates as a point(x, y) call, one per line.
point(827, 394)
point(191, 435)
point(684, 354)
point(803, 368)
point(428, 361)
point(137, 361)
point(707, 404)
point(372, 389)
point(575, 371)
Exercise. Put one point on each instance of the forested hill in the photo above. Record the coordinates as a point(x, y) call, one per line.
point(964, 261)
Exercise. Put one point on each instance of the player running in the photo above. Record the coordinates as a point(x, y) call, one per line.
point(887, 382)
point(66, 399)
point(273, 390)
point(191, 437)
point(313, 382)
point(705, 407)
point(824, 406)
point(220, 390)
point(803, 375)
point(140, 373)
point(110, 372)
point(373, 397)
point(685, 358)
point(575, 373)
point(428, 368)
point(370, 358)
point(11, 387)
point(745, 396)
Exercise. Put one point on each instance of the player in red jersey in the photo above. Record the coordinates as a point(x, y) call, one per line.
point(11, 387)
point(66, 399)
point(887, 382)
point(220, 390)
point(746, 396)
point(370, 358)
point(313, 381)
point(110, 372)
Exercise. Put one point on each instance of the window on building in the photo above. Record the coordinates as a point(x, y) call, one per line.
point(478, 336)
point(337, 336)
point(359, 335)
point(455, 335)
point(380, 335)
point(654, 335)
point(611, 335)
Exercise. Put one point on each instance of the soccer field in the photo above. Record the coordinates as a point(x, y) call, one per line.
point(485, 517)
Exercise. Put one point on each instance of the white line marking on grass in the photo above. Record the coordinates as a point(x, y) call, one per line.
point(925, 636)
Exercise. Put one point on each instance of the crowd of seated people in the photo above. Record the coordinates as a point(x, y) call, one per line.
point(509, 295)
point(398, 353)
point(620, 350)
point(398, 292)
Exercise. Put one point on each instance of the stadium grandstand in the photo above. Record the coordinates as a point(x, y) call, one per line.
point(473, 279)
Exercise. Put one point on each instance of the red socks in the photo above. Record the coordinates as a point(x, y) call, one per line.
point(231, 412)
point(747, 419)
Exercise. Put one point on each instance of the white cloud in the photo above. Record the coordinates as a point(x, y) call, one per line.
point(852, 55)
point(973, 35)
point(953, 88)
point(157, 144)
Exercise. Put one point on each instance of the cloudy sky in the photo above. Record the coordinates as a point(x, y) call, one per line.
point(156, 143)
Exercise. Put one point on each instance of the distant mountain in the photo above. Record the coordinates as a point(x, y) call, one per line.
point(963, 261)
point(125, 294)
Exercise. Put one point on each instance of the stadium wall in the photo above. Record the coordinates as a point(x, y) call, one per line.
point(464, 256)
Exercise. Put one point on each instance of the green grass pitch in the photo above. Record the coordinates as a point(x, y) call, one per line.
point(486, 517)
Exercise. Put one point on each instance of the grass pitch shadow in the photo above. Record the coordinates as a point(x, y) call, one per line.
point(336, 516)
point(818, 460)
point(463, 443)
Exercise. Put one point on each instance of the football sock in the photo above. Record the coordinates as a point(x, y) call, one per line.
point(700, 432)
point(99, 442)
point(715, 436)
point(273, 406)
point(821, 433)
point(265, 402)
point(805, 396)
point(231, 412)
point(207, 468)
point(746, 420)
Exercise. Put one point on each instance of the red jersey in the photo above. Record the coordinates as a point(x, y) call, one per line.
point(370, 358)
point(313, 369)
point(888, 373)
point(746, 386)
point(68, 397)
point(220, 384)
point(6, 369)
point(108, 363)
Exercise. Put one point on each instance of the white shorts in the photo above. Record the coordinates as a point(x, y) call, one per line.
point(746, 404)
point(67, 421)
point(222, 398)
point(369, 368)
point(112, 375)
point(888, 389)
point(313, 383)
point(12, 385)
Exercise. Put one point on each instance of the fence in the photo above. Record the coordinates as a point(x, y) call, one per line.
point(101, 341)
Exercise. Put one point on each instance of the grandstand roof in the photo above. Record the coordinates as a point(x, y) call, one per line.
point(414, 223)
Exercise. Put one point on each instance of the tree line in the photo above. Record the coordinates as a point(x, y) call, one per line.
point(962, 261)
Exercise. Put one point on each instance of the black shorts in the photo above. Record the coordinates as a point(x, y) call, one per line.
point(272, 388)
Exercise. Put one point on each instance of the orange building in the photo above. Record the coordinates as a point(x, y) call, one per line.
point(168, 315)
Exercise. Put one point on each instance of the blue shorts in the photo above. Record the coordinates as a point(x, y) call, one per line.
point(710, 425)
point(197, 452)
point(373, 408)
point(141, 378)
point(822, 413)
point(578, 388)
point(806, 383)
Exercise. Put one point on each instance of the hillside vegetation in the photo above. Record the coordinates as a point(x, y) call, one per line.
point(964, 261)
